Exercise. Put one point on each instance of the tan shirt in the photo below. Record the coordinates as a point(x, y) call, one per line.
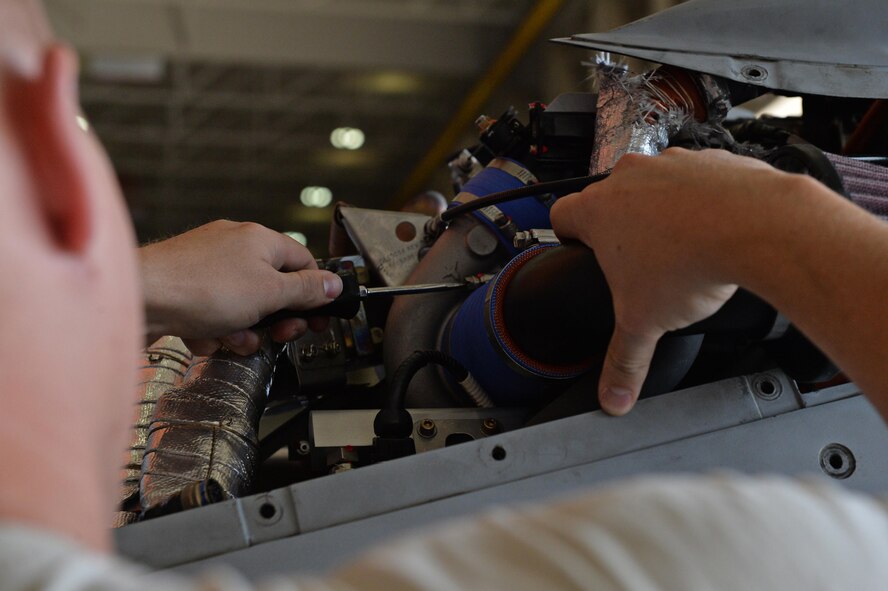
point(677, 533)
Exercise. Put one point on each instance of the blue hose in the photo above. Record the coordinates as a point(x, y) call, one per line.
point(526, 213)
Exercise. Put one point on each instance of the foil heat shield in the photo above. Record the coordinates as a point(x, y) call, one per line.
point(207, 429)
point(637, 114)
point(164, 364)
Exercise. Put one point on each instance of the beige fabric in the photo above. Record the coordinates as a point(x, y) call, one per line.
point(721, 532)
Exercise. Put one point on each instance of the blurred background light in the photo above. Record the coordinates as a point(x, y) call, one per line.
point(145, 69)
point(82, 123)
point(347, 138)
point(316, 196)
point(782, 106)
point(390, 82)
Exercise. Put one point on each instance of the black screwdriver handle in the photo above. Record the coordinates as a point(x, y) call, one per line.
point(346, 305)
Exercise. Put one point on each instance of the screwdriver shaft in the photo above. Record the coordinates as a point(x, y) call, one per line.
point(366, 292)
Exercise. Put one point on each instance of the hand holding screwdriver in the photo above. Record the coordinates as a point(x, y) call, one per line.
point(349, 301)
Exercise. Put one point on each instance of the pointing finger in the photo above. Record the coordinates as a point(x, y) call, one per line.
point(625, 369)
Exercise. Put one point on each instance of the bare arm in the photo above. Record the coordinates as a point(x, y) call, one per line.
point(677, 233)
point(209, 285)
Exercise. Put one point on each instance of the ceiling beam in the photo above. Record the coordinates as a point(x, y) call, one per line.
point(314, 104)
point(445, 37)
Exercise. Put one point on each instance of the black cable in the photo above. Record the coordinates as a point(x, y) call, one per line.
point(562, 186)
point(393, 420)
point(397, 397)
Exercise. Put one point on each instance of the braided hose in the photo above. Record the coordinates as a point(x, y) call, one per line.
point(866, 184)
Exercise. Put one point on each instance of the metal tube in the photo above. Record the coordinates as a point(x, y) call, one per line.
point(207, 428)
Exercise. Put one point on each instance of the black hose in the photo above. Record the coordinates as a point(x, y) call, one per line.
point(563, 186)
point(397, 397)
point(393, 420)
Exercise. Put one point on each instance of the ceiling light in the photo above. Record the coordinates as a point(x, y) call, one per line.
point(145, 69)
point(390, 82)
point(298, 237)
point(347, 138)
point(316, 196)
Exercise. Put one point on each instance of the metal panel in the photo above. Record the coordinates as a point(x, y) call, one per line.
point(787, 444)
point(806, 46)
point(509, 457)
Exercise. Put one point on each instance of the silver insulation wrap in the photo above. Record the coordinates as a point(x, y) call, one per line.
point(641, 114)
point(624, 123)
point(163, 367)
point(207, 428)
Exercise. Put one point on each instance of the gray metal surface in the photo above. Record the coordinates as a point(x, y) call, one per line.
point(416, 323)
point(340, 428)
point(390, 241)
point(733, 424)
point(807, 46)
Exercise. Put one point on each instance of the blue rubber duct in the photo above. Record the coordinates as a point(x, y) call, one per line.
point(527, 213)
point(478, 338)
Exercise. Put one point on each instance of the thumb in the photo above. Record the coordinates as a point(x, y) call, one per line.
point(307, 289)
point(625, 368)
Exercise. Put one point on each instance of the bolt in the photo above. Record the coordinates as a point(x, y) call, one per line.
point(427, 428)
point(303, 448)
point(490, 426)
point(155, 358)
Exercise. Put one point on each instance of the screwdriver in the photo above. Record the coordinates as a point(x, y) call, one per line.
point(347, 304)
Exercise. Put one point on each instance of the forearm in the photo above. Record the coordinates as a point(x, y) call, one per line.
point(823, 262)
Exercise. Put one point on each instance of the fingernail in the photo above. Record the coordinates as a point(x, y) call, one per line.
point(616, 400)
point(332, 285)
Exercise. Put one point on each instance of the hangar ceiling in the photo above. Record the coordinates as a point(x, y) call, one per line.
point(224, 108)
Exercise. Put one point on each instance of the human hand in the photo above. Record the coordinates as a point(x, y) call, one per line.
point(209, 285)
point(663, 229)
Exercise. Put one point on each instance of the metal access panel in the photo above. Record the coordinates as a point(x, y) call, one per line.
point(752, 424)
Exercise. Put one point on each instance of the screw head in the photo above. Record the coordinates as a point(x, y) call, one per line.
point(490, 426)
point(427, 428)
